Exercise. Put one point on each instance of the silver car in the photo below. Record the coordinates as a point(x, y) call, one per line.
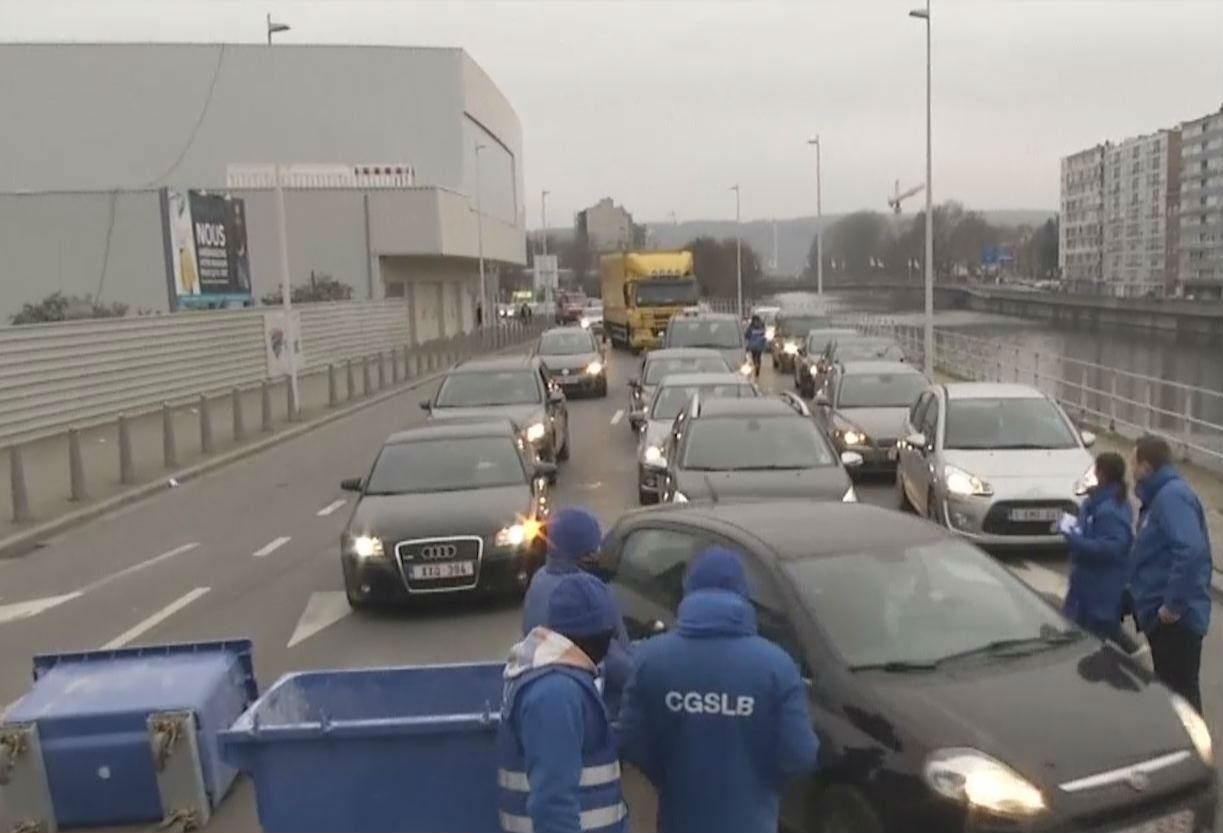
point(996, 463)
point(660, 363)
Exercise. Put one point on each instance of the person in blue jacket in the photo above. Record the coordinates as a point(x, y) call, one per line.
point(1100, 552)
point(1170, 584)
point(574, 539)
point(559, 770)
point(756, 339)
point(715, 715)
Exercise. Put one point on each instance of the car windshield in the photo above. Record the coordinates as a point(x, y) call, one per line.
point(862, 351)
point(921, 604)
point(657, 369)
point(731, 444)
point(507, 387)
point(665, 293)
point(818, 340)
point(670, 399)
point(566, 343)
point(704, 332)
point(446, 465)
point(594, 306)
point(880, 390)
point(799, 326)
point(1006, 423)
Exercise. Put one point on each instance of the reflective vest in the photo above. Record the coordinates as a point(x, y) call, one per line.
point(601, 804)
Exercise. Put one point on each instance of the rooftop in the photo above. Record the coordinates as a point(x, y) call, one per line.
point(991, 390)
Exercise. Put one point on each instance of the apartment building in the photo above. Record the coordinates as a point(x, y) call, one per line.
point(1141, 197)
point(608, 227)
point(1200, 221)
point(1080, 244)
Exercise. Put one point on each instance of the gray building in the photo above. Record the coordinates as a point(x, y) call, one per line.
point(1141, 194)
point(607, 227)
point(96, 130)
point(1080, 250)
point(1201, 206)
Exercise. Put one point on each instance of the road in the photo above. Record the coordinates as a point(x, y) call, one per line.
point(250, 551)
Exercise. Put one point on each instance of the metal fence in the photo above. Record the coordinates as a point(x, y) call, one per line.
point(1122, 402)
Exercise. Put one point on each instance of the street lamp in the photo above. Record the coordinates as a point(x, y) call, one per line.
point(924, 15)
point(480, 239)
point(543, 218)
point(738, 253)
point(819, 221)
point(273, 28)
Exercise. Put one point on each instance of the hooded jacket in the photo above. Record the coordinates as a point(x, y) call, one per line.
point(1100, 561)
point(1171, 558)
point(755, 338)
point(716, 717)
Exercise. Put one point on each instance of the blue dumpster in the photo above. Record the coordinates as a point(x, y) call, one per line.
point(124, 736)
point(374, 750)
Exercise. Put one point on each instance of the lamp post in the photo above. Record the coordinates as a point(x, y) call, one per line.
point(543, 219)
point(273, 28)
point(924, 15)
point(819, 220)
point(738, 253)
point(480, 240)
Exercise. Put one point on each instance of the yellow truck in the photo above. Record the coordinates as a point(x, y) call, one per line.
point(642, 291)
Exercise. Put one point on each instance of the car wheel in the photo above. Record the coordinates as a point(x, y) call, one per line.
point(646, 498)
point(842, 809)
point(902, 499)
point(603, 388)
point(563, 454)
point(775, 363)
point(932, 513)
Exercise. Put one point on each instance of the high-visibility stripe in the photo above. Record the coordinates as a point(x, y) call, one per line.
point(590, 820)
point(592, 776)
point(516, 781)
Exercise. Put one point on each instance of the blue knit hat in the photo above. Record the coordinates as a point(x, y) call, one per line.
point(716, 568)
point(572, 534)
point(581, 605)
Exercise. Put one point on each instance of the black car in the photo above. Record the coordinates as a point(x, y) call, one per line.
point(863, 405)
point(515, 387)
point(947, 696)
point(751, 448)
point(573, 359)
point(810, 364)
point(658, 363)
point(712, 330)
point(790, 332)
point(447, 507)
point(861, 348)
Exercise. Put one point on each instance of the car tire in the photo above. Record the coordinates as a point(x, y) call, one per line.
point(932, 513)
point(842, 809)
point(646, 498)
point(775, 363)
point(902, 499)
point(602, 392)
point(563, 454)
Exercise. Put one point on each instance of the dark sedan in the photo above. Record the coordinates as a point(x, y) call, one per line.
point(863, 405)
point(712, 330)
point(573, 359)
point(948, 697)
point(810, 364)
point(751, 448)
point(658, 363)
point(789, 333)
point(445, 508)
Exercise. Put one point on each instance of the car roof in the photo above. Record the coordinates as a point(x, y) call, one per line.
point(797, 530)
point(757, 407)
point(711, 378)
point(791, 312)
point(991, 390)
point(873, 368)
point(833, 331)
point(551, 330)
point(493, 363)
point(683, 353)
point(454, 429)
point(706, 316)
point(862, 338)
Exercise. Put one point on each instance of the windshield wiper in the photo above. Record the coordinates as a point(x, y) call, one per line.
point(1016, 446)
point(896, 666)
point(1018, 646)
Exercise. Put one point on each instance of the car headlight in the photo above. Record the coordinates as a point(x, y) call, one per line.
point(747, 368)
point(790, 348)
point(653, 456)
point(978, 781)
point(854, 437)
point(536, 431)
point(367, 546)
point(585, 322)
point(1199, 732)
point(850, 496)
point(769, 332)
point(1087, 482)
point(594, 368)
point(517, 534)
point(960, 482)
point(679, 497)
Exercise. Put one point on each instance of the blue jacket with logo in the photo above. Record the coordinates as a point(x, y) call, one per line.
point(1100, 561)
point(1171, 559)
point(755, 337)
point(716, 717)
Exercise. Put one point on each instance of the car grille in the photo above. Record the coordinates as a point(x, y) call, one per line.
point(440, 551)
point(886, 443)
point(998, 519)
point(1169, 814)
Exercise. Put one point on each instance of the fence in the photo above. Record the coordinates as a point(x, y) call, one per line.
point(1125, 403)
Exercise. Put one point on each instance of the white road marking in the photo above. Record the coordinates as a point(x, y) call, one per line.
point(331, 507)
point(135, 568)
point(271, 546)
point(617, 416)
point(156, 619)
point(32, 607)
point(322, 611)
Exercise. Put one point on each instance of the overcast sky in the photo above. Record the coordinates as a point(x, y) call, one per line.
point(665, 104)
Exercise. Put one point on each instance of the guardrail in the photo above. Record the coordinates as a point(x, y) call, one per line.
point(209, 421)
point(1122, 402)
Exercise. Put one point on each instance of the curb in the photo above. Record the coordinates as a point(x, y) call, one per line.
point(14, 546)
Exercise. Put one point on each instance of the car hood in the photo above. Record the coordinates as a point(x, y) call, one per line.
point(878, 423)
point(1053, 716)
point(521, 415)
point(467, 512)
point(824, 483)
point(1024, 470)
point(569, 361)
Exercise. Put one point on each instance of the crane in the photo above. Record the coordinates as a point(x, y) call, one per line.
point(896, 198)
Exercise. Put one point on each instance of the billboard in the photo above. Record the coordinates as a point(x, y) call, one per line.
point(207, 264)
point(546, 273)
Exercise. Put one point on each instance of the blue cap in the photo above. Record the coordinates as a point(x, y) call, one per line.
point(716, 568)
point(581, 605)
point(572, 534)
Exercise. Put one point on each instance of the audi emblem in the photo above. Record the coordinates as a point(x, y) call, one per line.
point(435, 552)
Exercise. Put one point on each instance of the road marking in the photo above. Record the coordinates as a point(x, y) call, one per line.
point(24, 610)
point(322, 611)
point(617, 416)
point(331, 507)
point(135, 568)
point(156, 619)
point(271, 546)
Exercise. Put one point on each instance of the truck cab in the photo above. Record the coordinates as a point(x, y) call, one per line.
point(642, 291)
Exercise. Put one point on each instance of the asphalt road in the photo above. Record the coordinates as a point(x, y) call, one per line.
point(250, 551)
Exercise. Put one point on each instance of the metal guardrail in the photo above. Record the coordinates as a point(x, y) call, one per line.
point(1126, 403)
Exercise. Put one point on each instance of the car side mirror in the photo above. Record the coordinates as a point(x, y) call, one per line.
point(351, 484)
point(1089, 438)
point(556, 396)
point(637, 420)
point(545, 470)
point(822, 401)
point(917, 441)
point(426, 406)
point(851, 459)
point(634, 384)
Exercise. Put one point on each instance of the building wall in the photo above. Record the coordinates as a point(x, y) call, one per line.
point(1138, 176)
point(1080, 231)
point(608, 227)
point(1200, 227)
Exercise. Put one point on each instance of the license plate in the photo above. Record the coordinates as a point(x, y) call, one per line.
point(1035, 514)
point(1181, 822)
point(455, 569)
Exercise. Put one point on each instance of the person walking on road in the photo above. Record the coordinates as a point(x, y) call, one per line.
point(574, 538)
point(715, 716)
point(1170, 584)
point(756, 341)
point(558, 765)
point(1100, 544)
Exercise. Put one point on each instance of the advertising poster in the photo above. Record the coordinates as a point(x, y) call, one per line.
point(282, 341)
point(207, 263)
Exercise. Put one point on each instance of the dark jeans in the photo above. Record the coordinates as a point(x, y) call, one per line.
point(756, 359)
point(1177, 654)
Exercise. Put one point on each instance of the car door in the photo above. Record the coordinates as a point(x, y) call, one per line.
point(648, 567)
point(924, 459)
point(909, 458)
point(557, 409)
point(671, 450)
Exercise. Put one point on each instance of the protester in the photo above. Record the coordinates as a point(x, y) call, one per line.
point(756, 341)
point(716, 716)
point(559, 771)
point(1170, 584)
point(1100, 544)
